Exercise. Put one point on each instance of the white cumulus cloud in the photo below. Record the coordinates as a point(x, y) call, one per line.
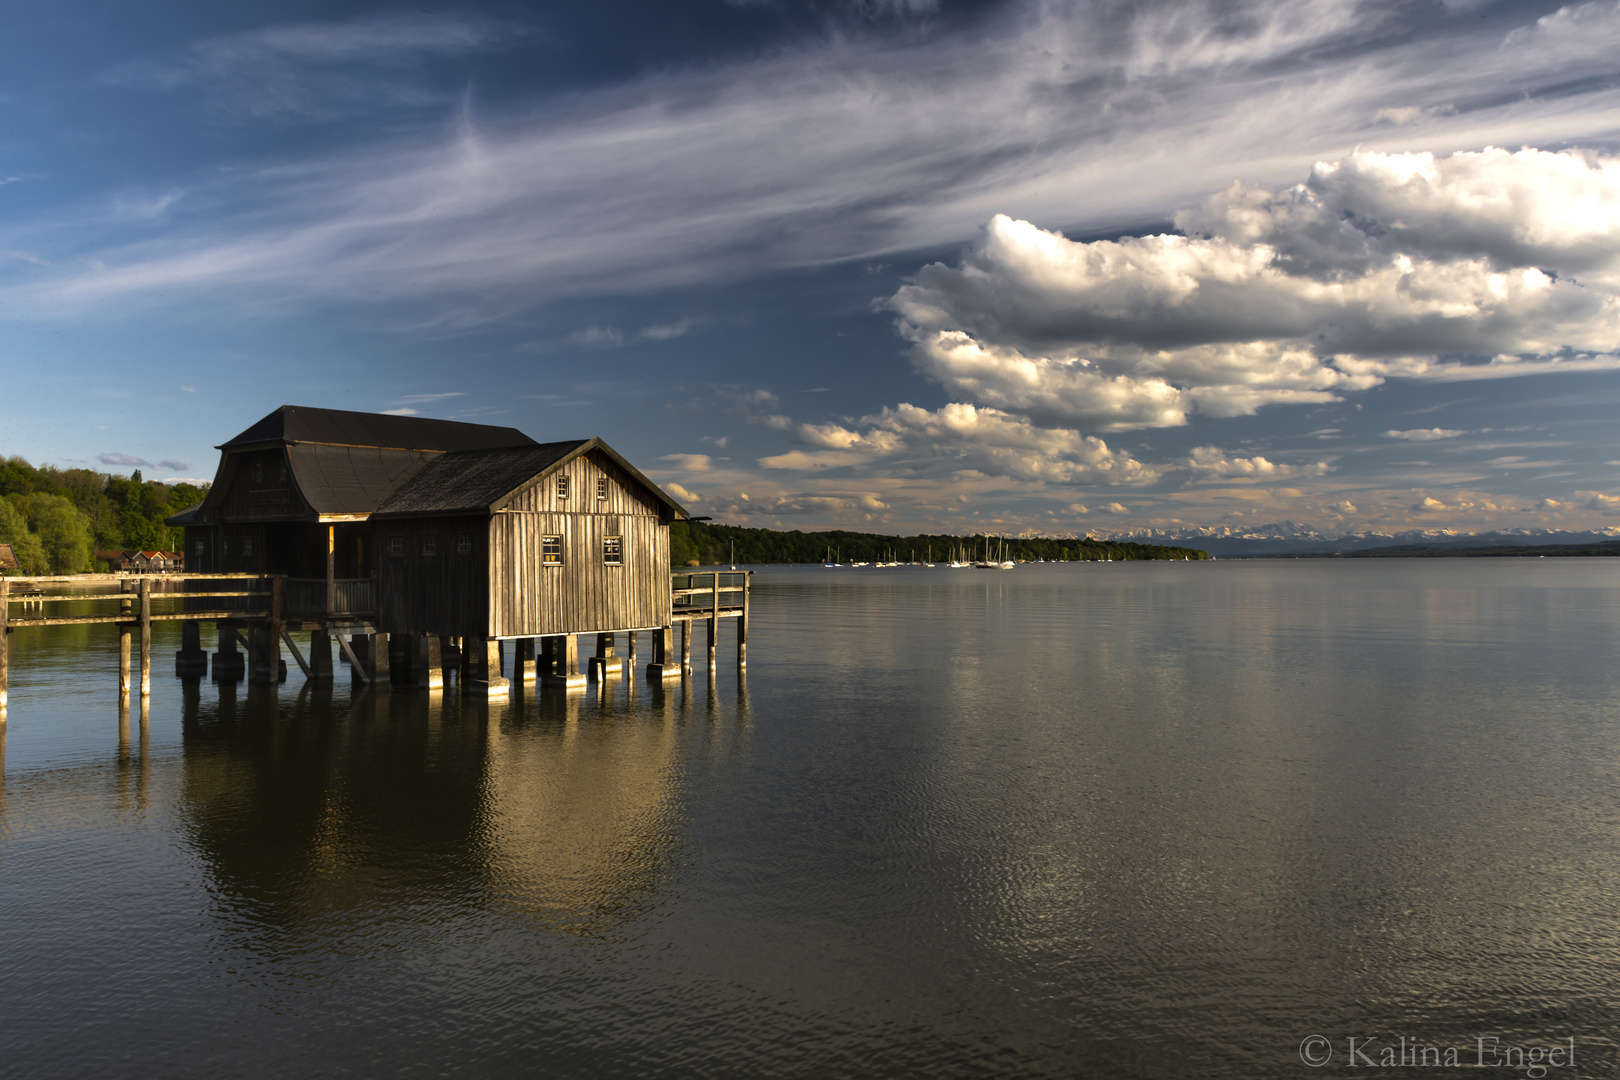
point(1376, 266)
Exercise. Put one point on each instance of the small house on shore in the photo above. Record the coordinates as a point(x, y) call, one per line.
point(142, 562)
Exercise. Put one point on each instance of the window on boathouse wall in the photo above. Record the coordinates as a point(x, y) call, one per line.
point(551, 550)
point(613, 550)
point(562, 487)
point(430, 545)
point(464, 544)
point(396, 546)
point(601, 489)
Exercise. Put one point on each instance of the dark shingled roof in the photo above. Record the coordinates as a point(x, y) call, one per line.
point(352, 479)
point(476, 481)
point(301, 424)
point(481, 481)
point(184, 517)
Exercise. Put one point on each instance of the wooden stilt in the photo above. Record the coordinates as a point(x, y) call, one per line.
point(190, 661)
point(123, 659)
point(606, 663)
point(523, 661)
point(146, 637)
point(714, 621)
point(228, 661)
point(565, 674)
point(742, 626)
point(485, 668)
point(320, 657)
point(663, 665)
point(5, 646)
point(429, 662)
point(378, 659)
point(686, 647)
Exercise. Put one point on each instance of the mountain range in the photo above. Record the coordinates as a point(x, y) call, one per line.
point(1288, 538)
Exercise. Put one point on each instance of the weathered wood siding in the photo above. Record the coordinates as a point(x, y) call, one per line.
point(444, 593)
point(261, 488)
point(624, 495)
point(583, 595)
point(517, 595)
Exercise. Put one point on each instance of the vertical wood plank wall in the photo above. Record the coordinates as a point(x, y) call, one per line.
point(584, 594)
point(444, 593)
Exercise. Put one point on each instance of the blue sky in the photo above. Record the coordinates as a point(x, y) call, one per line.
point(871, 263)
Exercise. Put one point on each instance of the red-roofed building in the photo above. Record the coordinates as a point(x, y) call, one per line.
point(143, 562)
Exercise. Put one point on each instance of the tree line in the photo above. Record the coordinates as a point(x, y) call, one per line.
point(712, 545)
point(57, 519)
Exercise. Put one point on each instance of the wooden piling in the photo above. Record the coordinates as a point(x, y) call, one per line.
point(146, 637)
point(275, 630)
point(606, 663)
point(742, 625)
point(523, 661)
point(714, 622)
point(429, 662)
point(124, 629)
point(484, 657)
point(320, 657)
point(566, 675)
point(379, 661)
point(686, 647)
point(663, 665)
point(5, 645)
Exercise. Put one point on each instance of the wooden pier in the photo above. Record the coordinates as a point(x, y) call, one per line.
point(262, 612)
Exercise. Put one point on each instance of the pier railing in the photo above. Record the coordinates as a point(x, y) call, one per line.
point(709, 594)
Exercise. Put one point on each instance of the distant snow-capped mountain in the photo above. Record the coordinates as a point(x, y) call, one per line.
point(1286, 537)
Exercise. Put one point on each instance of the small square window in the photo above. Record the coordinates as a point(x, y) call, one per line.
point(396, 545)
point(430, 545)
point(247, 546)
point(601, 488)
point(464, 544)
point(551, 550)
point(613, 550)
point(198, 548)
point(562, 487)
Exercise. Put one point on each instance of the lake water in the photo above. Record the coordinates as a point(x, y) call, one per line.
point(1093, 820)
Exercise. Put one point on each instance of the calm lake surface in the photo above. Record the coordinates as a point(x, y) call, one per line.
point(1102, 820)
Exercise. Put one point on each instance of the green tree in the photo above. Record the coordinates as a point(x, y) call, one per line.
point(63, 532)
point(24, 544)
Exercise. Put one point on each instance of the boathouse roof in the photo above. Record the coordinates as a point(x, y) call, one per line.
point(483, 481)
point(338, 427)
point(346, 466)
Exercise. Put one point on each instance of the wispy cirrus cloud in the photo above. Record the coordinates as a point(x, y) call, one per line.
point(1424, 434)
point(847, 148)
point(317, 70)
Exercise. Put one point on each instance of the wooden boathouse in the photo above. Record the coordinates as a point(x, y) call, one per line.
point(421, 546)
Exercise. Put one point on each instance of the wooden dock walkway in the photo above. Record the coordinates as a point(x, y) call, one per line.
point(261, 612)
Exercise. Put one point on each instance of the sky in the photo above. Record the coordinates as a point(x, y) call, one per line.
point(894, 265)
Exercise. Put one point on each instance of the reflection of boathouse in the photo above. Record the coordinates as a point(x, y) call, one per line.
point(547, 821)
point(431, 530)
